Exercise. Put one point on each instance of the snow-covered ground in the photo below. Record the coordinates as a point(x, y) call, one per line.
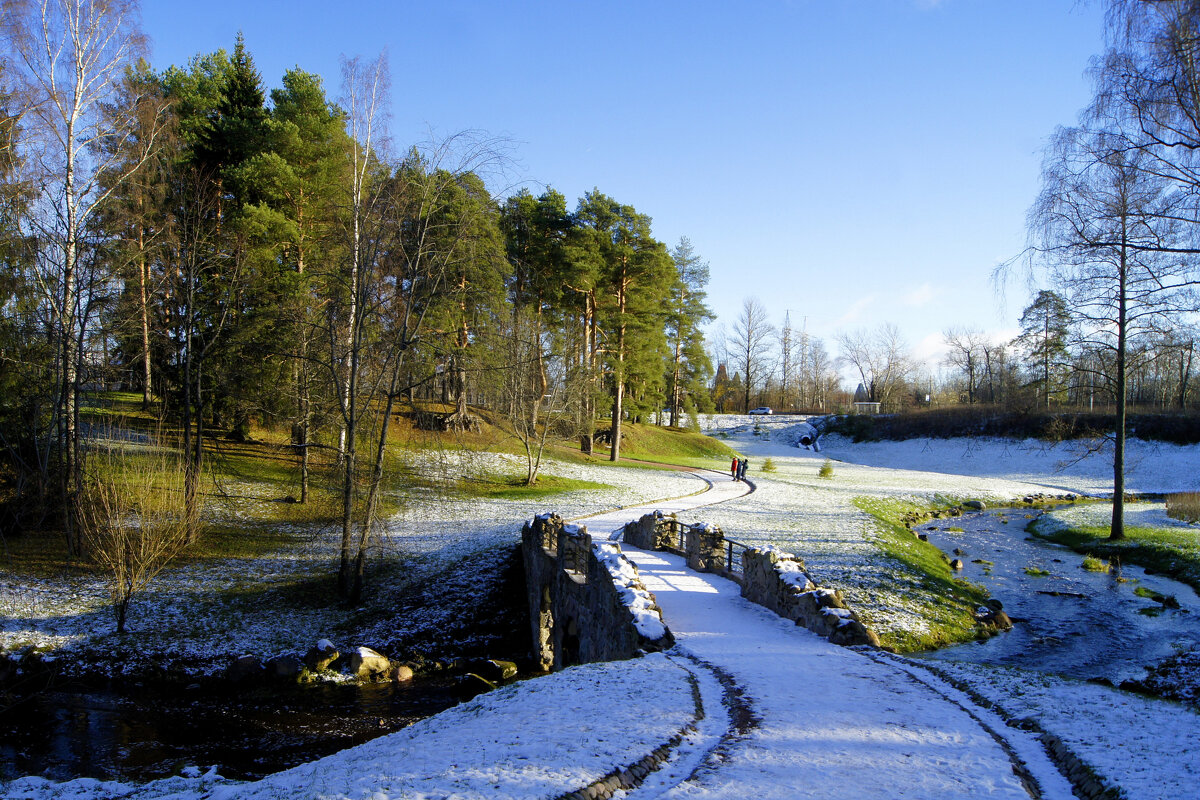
point(201, 616)
point(830, 722)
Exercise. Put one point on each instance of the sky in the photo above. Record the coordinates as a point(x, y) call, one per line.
point(849, 163)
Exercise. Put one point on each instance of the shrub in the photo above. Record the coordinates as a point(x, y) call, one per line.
point(1184, 506)
point(768, 465)
point(826, 470)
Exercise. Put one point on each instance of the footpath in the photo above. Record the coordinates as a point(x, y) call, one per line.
point(806, 718)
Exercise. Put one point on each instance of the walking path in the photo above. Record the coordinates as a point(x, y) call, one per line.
point(816, 719)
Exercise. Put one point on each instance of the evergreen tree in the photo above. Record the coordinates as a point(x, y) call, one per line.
point(1045, 325)
point(689, 368)
point(634, 279)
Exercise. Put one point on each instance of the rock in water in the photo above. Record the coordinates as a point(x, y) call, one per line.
point(367, 664)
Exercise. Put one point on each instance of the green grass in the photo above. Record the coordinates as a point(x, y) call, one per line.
point(512, 487)
point(1037, 572)
point(946, 602)
point(676, 446)
point(1174, 552)
point(1093, 564)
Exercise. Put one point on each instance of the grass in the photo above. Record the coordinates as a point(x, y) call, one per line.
point(676, 446)
point(512, 487)
point(1174, 552)
point(1184, 506)
point(1037, 572)
point(260, 479)
point(1093, 564)
point(946, 602)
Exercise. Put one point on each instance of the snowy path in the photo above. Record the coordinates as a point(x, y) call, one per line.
point(831, 722)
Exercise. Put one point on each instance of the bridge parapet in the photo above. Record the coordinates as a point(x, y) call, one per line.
point(583, 610)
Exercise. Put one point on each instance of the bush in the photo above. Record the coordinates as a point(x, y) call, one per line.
point(826, 470)
point(954, 421)
point(1184, 506)
point(768, 465)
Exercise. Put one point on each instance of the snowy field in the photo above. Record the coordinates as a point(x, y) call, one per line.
point(541, 738)
point(169, 623)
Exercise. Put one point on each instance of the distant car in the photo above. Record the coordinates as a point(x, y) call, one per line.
point(761, 410)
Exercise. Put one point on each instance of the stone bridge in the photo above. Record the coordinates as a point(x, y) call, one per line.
point(586, 603)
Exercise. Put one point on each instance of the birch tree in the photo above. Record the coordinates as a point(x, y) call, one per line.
point(68, 57)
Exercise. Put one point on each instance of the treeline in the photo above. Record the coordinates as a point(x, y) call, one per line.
point(1054, 363)
point(248, 258)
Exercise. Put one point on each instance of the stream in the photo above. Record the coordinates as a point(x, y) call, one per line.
point(1067, 620)
point(147, 733)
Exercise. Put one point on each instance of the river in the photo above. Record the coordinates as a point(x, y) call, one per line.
point(1067, 620)
point(145, 733)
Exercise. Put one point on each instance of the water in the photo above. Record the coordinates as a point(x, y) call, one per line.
point(144, 734)
point(1072, 622)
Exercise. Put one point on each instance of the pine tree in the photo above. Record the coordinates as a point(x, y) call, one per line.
point(635, 277)
point(689, 365)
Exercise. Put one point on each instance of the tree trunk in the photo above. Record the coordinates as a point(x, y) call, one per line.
point(1117, 529)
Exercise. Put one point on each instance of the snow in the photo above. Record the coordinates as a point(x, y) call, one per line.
point(646, 616)
point(177, 620)
point(1146, 746)
point(828, 721)
point(831, 720)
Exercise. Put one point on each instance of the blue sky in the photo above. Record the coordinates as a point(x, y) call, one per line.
point(852, 162)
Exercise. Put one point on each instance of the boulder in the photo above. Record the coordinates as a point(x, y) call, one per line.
point(974, 505)
point(493, 670)
point(956, 565)
point(402, 673)
point(365, 663)
point(854, 632)
point(285, 666)
point(321, 656)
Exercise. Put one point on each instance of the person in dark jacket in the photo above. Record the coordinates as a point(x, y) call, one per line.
point(742, 469)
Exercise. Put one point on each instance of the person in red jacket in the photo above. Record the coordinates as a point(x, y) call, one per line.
point(733, 469)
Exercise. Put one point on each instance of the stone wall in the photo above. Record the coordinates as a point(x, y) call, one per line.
point(777, 580)
point(649, 532)
point(578, 614)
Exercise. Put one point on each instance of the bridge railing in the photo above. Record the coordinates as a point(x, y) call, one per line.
point(704, 546)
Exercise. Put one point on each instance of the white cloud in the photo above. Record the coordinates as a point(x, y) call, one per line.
point(919, 295)
point(931, 349)
point(856, 312)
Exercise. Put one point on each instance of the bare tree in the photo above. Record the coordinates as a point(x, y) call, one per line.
point(68, 56)
point(1105, 227)
point(534, 388)
point(790, 352)
point(750, 346)
point(967, 347)
point(880, 358)
point(130, 518)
